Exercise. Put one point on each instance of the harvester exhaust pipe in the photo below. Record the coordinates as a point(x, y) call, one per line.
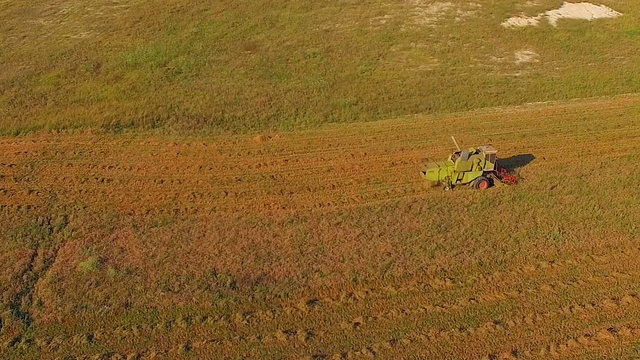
point(454, 141)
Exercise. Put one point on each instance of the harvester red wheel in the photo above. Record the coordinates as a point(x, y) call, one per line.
point(509, 180)
point(481, 183)
point(506, 178)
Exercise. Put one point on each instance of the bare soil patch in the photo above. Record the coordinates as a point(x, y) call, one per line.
point(578, 11)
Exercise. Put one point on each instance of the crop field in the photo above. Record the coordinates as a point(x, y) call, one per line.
point(323, 243)
point(240, 179)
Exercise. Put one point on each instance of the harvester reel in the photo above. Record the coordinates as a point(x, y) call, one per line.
point(506, 178)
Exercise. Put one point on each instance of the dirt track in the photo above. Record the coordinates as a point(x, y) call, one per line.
point(558, 281)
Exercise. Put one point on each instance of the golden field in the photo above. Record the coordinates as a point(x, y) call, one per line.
point(240, 180)
point(323, 243)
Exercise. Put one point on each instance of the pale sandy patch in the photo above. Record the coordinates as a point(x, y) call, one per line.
point(520, 21)
point(579, 11)
point(525, 56)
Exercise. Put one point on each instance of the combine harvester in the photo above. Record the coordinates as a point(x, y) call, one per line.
point(476, 166)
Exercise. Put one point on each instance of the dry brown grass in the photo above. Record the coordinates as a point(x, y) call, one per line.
point(323, 243)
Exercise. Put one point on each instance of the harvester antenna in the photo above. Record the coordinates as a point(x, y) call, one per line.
point(454, 141)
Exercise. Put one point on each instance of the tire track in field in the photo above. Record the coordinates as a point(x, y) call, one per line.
point(328, 192)
point(353, 189)
point(331, 302)
point(447, 283)
point(495, 327)
point(285, 336)
point(591, 340)
point(489, 298)
point(318, 163)
point(303, 335)
point(308, 304)
point(421, 310)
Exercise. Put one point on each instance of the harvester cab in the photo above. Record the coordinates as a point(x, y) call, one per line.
point(475, 166)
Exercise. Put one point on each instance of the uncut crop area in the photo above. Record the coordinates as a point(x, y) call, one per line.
point(210, 180)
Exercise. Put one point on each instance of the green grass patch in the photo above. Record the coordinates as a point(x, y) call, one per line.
point(90, 265)
point(280, 65)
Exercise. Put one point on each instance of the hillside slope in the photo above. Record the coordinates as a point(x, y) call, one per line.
point(248, 65)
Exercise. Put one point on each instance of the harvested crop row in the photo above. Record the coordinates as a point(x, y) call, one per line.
point(323, 242)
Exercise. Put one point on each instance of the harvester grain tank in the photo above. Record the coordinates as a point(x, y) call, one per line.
point(475, 166)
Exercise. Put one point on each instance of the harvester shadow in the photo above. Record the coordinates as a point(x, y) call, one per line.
point(515, 162)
